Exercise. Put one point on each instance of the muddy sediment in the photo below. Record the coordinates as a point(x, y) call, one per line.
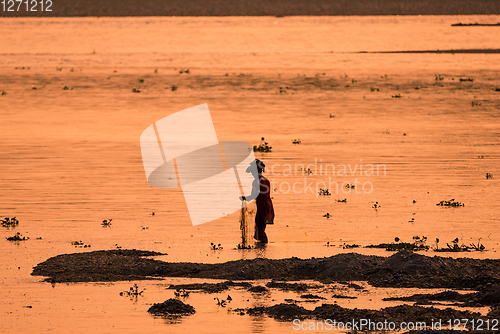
point(403, 269)
point(396, 314)
point(171, 307)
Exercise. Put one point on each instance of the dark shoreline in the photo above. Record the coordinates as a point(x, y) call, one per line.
point(279, 8)
point(402, 269)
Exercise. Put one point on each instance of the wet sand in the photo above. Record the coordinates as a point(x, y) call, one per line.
point(74, 160)
point(265, 8)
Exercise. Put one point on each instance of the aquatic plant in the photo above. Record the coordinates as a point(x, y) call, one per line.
point(455, 246)
point(450, 203)
point(263, 147)
point(223, 302)
point(215, 247)
point(296, 141)
point(244, 246)
point(181, 293)
point(308, 171)
point(417, 245)
point(10, 222)
point(133, 291)
point(326, 215)
point(17, 237)
point(488, 176)
point(106, 222)
point(80, 244)
point(324, 192)
point(282, 90)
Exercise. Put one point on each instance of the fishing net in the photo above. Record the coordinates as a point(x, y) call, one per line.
point(247, 222)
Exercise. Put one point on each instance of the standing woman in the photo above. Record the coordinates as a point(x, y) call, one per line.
point(261, 191)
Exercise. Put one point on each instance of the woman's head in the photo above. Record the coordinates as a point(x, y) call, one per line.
point(260, 166)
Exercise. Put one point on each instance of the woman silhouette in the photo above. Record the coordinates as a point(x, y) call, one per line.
point(261, 190)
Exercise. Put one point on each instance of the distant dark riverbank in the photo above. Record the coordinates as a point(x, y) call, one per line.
point(260, 7)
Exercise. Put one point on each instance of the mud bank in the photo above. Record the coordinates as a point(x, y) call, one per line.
point(403, 269)
point(397, 314)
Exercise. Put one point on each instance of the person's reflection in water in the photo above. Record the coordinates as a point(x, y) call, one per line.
point(261, 192)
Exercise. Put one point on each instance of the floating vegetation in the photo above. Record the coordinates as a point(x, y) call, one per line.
point(215, 247)
point(136, 90)
point(223, 302)
point(466, 79)
point(173, 88)
point(282, 90)
point(450, 203)
point(397, 96)
point(341, 200)
point(346, 246)
point(133, 291)
point(488, 176)
point(80, 244)
point(184, 71)
point(263, 147)
point(17, 237)
point(324, 192)
point(106, 222)
point(10, 222)
point(296, 141)
point(457, 247)
point(417, 245)
point(308, 171)
point(243, 246)
point(376, 206)
point(181, 293)
point(327, 215)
